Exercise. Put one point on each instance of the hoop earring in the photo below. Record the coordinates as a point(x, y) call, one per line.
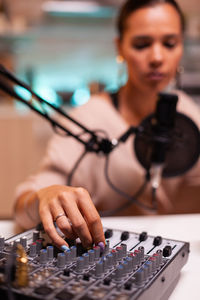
point(121, 71)
point(179, 72)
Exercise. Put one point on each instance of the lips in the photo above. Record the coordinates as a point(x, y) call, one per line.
point(156, 76)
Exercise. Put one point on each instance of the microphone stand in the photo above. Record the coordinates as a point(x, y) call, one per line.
point(95, 143)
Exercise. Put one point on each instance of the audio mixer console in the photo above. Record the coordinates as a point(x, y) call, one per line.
point(132, 266)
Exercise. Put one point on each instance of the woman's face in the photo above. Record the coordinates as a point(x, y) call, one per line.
point(152, 46)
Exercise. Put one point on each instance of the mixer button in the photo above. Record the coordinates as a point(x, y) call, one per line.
point(108, 233)
point(107, 281)
point(43, 290)
point(86, 277)
point(128, 286)
point(157, 241)
point(66, 272)
point(143, 236)
point(167, 251)
point(124, 236)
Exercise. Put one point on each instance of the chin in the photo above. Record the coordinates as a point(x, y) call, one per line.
point(158, 87)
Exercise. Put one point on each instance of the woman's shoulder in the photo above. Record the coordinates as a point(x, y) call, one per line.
point(95, 102)
point(188, 106)
point(98, 112)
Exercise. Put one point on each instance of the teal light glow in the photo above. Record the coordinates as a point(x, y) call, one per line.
point(45, 93)
point(49, 95)
point(24, 94)
point(80, 97)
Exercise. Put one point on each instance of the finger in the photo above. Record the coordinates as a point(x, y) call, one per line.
point(65, 226)
point(61, 220)
point(49, 228)
point(92, 218)
point(78, 222)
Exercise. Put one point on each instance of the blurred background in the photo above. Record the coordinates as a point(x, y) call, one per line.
point(64, 50)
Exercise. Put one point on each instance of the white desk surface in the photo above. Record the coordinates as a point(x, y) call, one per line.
point(179, 227)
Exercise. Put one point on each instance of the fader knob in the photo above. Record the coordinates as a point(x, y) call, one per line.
point(157, 241)
point(108, 233)
point(143, 236)
point(167, 251)
point(124, 236)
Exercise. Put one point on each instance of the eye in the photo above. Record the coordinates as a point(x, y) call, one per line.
point(170, 45)
point(140, 46)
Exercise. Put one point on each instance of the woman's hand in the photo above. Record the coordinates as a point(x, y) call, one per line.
point(74, 213)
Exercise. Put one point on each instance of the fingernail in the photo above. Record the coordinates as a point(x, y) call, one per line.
point(64, 248)
point(101, 245)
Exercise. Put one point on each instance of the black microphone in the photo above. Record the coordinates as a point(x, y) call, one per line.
point(168, 142)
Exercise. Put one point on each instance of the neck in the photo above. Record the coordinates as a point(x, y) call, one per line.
point(135, 104)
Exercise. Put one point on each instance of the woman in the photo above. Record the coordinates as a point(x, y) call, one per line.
point(150, 42)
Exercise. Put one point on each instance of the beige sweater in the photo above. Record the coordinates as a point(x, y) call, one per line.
point(175, 195)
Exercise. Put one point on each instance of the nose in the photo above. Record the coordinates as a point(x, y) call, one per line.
point(156, 56)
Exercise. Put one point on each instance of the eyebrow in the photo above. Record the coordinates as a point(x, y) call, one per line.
point(146, 37)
